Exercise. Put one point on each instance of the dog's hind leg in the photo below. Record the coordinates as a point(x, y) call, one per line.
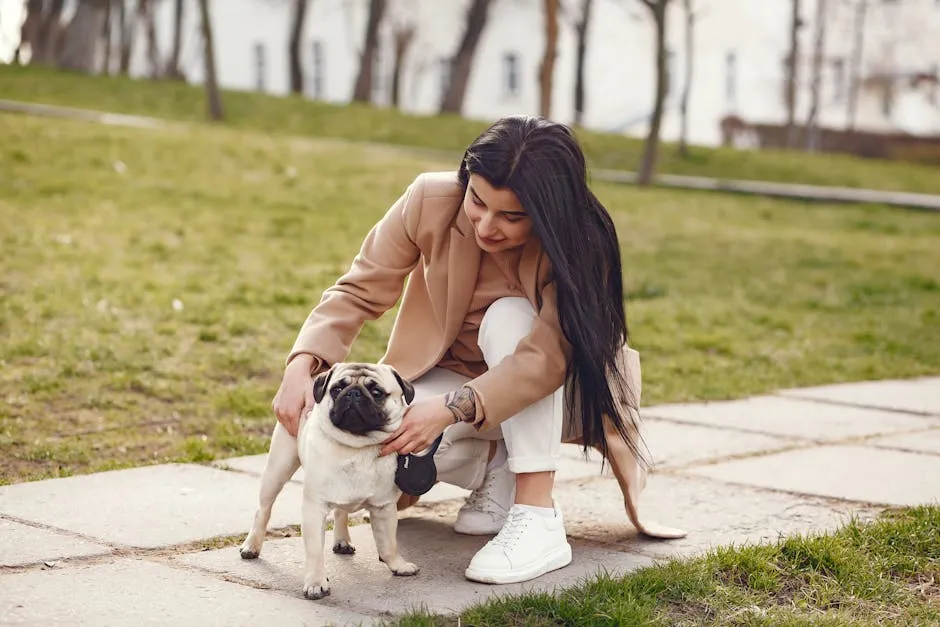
point(384, 520)
point(283, 462)
point(341, 543)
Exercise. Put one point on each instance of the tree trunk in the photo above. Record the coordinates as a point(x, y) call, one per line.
point(145, 13)
point(82, 36)
point(462, 62)
point(125, 38)
point(811, 130)
point(856, 69)
point(547, 66)
point(793, 72)
point(403, 38)
point(173, 69)
point(50, 33)
point(363, 89)
point(213, 97)
point(687, 88)
point(651, 149)
point(581, 28)
point(31, 32)
point(106, 37)
point(293, 47)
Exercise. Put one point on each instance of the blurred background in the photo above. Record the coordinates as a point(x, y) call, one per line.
point(852, 76)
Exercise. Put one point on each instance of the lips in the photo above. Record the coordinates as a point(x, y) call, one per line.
point(488, 241)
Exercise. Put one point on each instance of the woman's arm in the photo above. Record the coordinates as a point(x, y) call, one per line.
point(371, 287)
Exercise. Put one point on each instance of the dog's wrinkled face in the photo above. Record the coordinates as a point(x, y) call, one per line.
point(363, 397)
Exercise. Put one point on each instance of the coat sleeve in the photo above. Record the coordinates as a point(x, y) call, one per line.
point(534, 370)
point(371, 287)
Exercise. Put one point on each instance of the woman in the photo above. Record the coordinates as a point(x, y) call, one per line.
point(511, 322)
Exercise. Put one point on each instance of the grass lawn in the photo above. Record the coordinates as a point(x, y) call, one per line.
point(885, 573)
point(153, 282)
point(178, 101)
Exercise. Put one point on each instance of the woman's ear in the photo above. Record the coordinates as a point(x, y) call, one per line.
point(320, 383)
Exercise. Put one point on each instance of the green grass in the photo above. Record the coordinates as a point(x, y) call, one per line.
point(178, 101)
point(884, 573)
point(103, 228)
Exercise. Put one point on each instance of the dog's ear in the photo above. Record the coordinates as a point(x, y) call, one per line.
point(408, 390)
point(320, 383)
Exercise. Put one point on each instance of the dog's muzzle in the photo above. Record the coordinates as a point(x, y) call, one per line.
point(354, 410)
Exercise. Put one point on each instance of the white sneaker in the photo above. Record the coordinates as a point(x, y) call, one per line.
point(486, 508)
point(528, 545)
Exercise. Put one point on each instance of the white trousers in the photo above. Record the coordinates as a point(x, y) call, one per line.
point(532, 437)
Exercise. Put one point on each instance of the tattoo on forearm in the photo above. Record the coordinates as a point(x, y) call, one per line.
point(462, 403)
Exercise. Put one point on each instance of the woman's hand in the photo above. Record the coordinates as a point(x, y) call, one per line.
point(423, 422)
point(295, 396)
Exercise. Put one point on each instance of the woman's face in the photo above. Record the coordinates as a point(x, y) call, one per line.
point(499, 221)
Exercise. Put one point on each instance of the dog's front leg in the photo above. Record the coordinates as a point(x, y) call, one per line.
point(385, 530)
point(313, 528)
point(283, 462)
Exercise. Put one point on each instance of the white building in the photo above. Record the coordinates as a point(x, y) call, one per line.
point(739, 56)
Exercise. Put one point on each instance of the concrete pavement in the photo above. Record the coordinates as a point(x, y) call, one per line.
point(138, 546)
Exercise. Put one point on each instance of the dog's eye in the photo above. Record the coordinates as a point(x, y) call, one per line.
point(378, 394)
point(335, 390)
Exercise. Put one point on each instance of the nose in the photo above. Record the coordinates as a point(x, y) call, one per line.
point(485, 227)
point(354, 393)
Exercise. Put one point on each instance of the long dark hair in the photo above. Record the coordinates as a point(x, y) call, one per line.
point(542, 163)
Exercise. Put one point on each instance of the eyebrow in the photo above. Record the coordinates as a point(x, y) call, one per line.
point(508, 213)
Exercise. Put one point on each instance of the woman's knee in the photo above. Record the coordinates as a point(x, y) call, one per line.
point(505, 323)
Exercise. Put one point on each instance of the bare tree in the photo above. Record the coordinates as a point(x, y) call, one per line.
point(213, 97)
point(811, 126)
point(462, 62)
point(581, 29)
point(125, 37)
point(82, 36)
point(651, 149)
point(687, 87)
point(547, 66)
point(173, 69)
point(42, 31)
point(363, 88)
point(145, 14)
point(106, 37)
point(856, 69)
point(793, 71)
point(404, 35)
point(293, 47)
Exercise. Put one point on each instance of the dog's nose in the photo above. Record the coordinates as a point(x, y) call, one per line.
point(355, 393)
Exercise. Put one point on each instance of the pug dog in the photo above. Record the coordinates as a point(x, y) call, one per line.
point(357, 406)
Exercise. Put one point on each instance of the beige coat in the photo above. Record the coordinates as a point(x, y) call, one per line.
point(426, 237)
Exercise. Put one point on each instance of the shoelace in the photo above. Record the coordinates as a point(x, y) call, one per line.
point(515, 525)
point(479, 499)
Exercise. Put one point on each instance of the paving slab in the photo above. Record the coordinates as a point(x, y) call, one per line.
point(21, 545)
point(361, 583)
point(676, 445)
point(921, 395)
point(138, 592)
point(713, 513)
point(855, 473)
point(796, 418)
point(920, 442)
point(150, 506)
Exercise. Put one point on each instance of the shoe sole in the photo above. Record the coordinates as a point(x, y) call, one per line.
point(554, 561)
point(476, 531)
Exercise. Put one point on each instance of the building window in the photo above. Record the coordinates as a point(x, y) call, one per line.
point(887, 98)
point(511, 74)
point(259, 66)
point(838, 79)
point(443, 68)
point(731, 79)
point(316, 70)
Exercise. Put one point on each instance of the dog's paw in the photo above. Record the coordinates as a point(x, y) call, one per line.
point(316, 591)
point(249, 552)
point(406, 570)
point(344, 548)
